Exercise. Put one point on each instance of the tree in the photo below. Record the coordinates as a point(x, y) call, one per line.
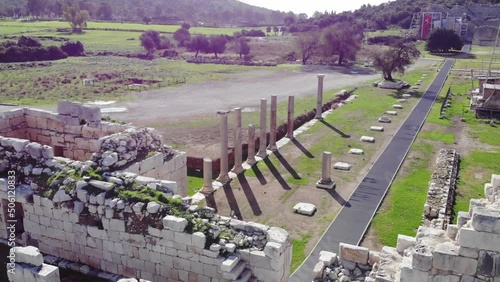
point(36, 7)
point(198, 44)
point(217, 44)
point(105, 11)
point(343, 40)
point(182, 35)
point(186, 25)
point(147, 20)
point(148, 44)
point(268, 29)
point(243, 47)
point(276, 29)
point(307, 45)
point(396, 58)
point(73, 49)
point(75, 17)
point(442, 40)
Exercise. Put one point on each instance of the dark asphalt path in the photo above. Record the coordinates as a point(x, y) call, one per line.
point(354, 218)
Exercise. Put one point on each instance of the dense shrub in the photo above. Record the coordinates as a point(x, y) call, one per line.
point(389, 40)
point(73, 49)
point(14, 54)
point(253, 33)
point(28, 42)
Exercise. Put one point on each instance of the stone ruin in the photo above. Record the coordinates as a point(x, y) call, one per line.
point(440, 251)
point(91, 196)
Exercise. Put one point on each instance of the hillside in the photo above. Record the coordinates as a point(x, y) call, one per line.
point(208, 12)
point(398, 12)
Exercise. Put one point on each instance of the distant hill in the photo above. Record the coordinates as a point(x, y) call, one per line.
point(208, 12)
point(397, 13)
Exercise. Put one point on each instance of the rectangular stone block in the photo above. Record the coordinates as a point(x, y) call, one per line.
point(489, 264)
point(173, 223)
point(446, 257)
point(479, 240)
point(422, 258)
point(353, 253)
point(409, 274)
point(486, 220)
point(405, 242)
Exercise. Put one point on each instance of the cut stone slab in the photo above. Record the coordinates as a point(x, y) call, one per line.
point(342, 166)
point(304, 208)
point(402, 101)
point(397, 106)
point(369, 139)
point(392, 113)
point(355, 151)
point(384, 119)
point(406, 95)
point(105, 186)
point(377, 128)
point(414, 87)
point(325, 185)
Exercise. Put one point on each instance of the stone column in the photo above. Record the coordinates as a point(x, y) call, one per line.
point(274, 120)
point(237, 143)
point(325, 181)
point(224, 169)
point(319, 100)
point(263, 133)
point(207, 176)
point(291, 109)
point(251, 145)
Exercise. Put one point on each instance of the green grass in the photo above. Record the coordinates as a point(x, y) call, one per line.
point(194, 184)
point(8, 25)
point(447, 138)
point(298, 254)
point(475, 169)
point(405, 199)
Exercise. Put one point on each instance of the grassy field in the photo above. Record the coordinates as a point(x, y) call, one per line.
point(63, 79)
point(18, 26)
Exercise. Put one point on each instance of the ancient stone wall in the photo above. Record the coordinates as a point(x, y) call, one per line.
point(127, 224)
point(76, 132)
point(441, 194)
point(485, 35)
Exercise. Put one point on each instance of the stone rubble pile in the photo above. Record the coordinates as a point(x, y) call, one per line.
point(353, 264)
point(441, 194)
point(120, 149)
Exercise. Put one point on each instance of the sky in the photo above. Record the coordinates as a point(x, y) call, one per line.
point(310, 6)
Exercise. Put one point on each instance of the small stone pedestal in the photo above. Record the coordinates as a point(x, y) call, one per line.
point(326, 182)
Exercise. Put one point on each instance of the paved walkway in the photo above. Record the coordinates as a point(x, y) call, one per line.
point(354, 218)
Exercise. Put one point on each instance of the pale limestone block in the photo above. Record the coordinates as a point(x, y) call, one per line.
point(272, 250)
point(318, 270)
point(405, 242)
point(327, 257)
point(235, 272)
point(466, 252)
point(30, 255)
point(409, 274)
point(198, 240)
point(446, 257)
point(422, 258)
point(353, 253)
point(486, 220)
point(183, 238)
point(479, 240)
point(174, 223)
point(117, 225)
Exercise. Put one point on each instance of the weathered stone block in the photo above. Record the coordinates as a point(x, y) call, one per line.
point(327, 257)
point(199, 240)
point(409, 274)
point(173, 223)
point(30, 255)
point(353, 253)
point(489, 264)
point(405, 242)
point(479, 240)
point(422, 258)
point(272, 250)
point(486, 220)
point(446, 258)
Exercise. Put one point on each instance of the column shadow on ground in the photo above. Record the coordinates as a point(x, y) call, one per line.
point(276, 174)
point(287, 165)
point(339, 198)
point(210, 199)
point(335, 129)
point(249, 194)
point(259, 175)
point(302, 149)
point(231, 200)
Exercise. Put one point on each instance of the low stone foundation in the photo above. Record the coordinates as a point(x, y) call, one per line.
point(441, 194)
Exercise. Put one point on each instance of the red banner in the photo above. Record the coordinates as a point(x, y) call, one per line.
point(426, 25)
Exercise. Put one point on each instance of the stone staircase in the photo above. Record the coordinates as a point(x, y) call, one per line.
point(235, 269)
